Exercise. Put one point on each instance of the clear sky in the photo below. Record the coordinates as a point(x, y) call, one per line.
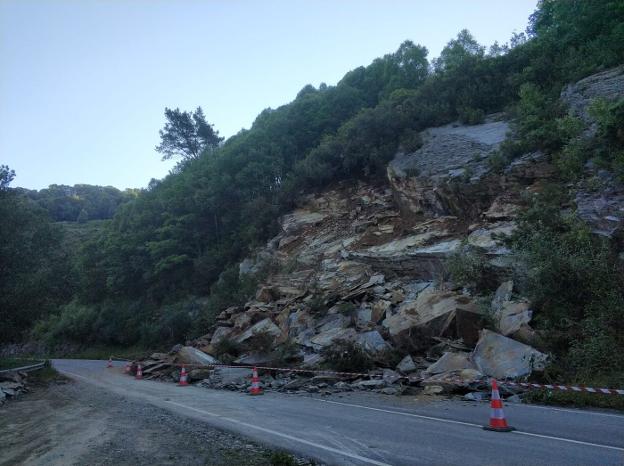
point(84, 83)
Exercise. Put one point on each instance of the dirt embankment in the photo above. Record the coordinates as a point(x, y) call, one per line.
point(67, 423)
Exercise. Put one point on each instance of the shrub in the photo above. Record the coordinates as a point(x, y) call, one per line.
point(318, 305)
point(471, 116)
point(347, 308)
point(411, 141)
point(346, 356)
point(469, 268)
point(280, 458)
point(576, 286)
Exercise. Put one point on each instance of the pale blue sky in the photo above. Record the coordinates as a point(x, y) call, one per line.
point(84, 83)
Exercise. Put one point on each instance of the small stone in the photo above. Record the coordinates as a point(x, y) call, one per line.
point(433, 390)
point(475, 396)
point(390, 391)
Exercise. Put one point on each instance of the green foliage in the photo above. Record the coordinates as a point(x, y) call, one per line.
point(318, 304)
point(281, 458)
point(131, 278)
point(186, 135)
point(577, 400)
point(35, 273)
point(347, 308)
point(608, 145)
point(80, 202)
point(471, 116)
point(467, 267)
point(6, 176)
point(346, 356)
point(575, 284)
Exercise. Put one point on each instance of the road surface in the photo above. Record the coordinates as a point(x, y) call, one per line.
point(379, 432)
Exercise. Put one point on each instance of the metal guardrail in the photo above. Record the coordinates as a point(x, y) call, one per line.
point(32, 367)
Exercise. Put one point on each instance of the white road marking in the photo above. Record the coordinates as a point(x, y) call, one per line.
point(286, 436)
point(362, 458)
point(450, 421)
point(262, 429)
point(401, 413)
point(568, 440)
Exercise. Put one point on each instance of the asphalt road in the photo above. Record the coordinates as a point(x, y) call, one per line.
point(380, 431)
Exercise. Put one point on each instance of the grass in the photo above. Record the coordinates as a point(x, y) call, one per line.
point(10, 363)
point(576, 399)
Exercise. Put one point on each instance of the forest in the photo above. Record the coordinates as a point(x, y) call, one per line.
point(163, 261)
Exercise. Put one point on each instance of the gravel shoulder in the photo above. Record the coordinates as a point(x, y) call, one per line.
point(69, 423)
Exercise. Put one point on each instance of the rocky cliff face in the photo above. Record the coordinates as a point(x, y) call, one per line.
point(367, 264)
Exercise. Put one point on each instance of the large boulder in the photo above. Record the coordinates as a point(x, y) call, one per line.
point(190, 355)
point(264, 326)
point(511, 316)
point(372, 341)
point(603, 210)
point(437, 313)
point(501, 357)
point(451, 362)
point(408, 257)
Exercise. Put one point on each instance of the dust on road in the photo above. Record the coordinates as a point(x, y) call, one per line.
point(69, 423)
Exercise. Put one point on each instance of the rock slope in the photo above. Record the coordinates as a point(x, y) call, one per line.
point(367, 264)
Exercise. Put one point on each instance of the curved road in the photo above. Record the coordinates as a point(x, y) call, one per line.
point(376, 431)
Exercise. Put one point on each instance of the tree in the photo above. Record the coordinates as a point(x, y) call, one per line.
point(186, 135)
point(6, 176)
point(457, 51)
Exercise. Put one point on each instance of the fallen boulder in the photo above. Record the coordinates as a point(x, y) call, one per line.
point(190, 355)
point(501, 357)
point(451, 362)
point(264, 326)
point(437, 313)
point(406, 365)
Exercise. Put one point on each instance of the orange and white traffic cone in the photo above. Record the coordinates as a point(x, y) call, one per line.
point(128, 368)
point(139, 372)
point(183, 377)
point(255, 383)
point(497, 416)
point(110, 362)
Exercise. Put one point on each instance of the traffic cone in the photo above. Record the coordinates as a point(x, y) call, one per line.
point(183, 377)
point(497, 416)
point(128, 368)
point(255, 383)
point(139, 372)
point(110, 362)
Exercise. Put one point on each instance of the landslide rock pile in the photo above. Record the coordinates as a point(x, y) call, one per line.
point(367, 266)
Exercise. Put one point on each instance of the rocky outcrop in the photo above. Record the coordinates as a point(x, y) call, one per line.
point(448, 175)
point(608, 85)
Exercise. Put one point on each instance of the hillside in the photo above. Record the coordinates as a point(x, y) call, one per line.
point(416, 203)
point(420, 269)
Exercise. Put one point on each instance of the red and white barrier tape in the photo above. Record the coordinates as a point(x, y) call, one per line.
point(566, 388)
point(539, 386)
point(569, 388)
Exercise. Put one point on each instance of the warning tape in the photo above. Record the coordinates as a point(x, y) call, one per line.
point(281, 369)
point(537, 386)
point(565, 388)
